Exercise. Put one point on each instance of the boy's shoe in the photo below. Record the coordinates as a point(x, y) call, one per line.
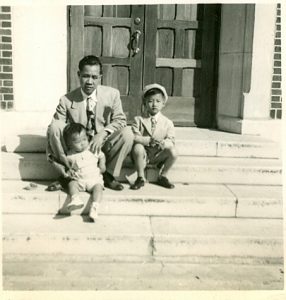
point(111, 183)
point(139, 182)
point(93, 214)
point(75, 203)
point(54, 186)
point(164, 181)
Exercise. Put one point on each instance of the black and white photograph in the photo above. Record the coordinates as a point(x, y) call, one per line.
point(179, 106)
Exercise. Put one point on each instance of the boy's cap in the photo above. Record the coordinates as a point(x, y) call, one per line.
point(155, 86)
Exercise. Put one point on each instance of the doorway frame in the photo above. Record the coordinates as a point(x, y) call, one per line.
point(205, 106)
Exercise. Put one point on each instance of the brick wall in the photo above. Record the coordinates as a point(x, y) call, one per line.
point(276, 92)
point(6, 76)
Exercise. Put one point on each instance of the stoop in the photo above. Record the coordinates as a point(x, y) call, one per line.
point(220, 228)
point(205, 156)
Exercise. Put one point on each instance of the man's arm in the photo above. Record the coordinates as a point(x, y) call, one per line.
point(138, 137)
point(61, 111)
point(102, 162)
point(169, 140)
point(117, 121)
point(118, 118)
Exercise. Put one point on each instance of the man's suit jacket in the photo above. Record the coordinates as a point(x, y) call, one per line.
point(109, 112)
point(164, 130)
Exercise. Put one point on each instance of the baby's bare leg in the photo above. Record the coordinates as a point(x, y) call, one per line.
point(96, 193)
point(96, 197)
point(73, 192)
point(73, 188)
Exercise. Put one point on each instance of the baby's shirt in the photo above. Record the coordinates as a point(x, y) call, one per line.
point(85, 163)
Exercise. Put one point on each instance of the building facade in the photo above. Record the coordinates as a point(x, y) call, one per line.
point(208, 56)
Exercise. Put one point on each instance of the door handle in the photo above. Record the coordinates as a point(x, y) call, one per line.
point(135, 41)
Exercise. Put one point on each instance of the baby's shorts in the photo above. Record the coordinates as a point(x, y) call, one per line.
point(88, 184)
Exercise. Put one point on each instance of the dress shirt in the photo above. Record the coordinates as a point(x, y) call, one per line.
point(94, 99)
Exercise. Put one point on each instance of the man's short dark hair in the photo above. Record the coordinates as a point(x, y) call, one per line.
point(90, 60)
point(71, 129)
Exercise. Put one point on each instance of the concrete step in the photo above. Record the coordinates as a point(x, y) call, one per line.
point(193, 200)
point(188, 169)
point(194, 142)
point(92, 275)
point(143, 236)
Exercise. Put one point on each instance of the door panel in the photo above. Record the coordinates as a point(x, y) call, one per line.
point(173, 63)
point(107, 32)
point(176, 48)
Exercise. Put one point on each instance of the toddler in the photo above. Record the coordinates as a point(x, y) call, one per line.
point(85, 169)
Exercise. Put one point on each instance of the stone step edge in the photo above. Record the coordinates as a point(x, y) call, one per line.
point(182, 160)
point(126, 193)
point(148, 203)
point(228, 142)
point(192, 153)
point(143, 195)
point(69, 237)
point(61, 195)
point(188, 259)
point(189, 147)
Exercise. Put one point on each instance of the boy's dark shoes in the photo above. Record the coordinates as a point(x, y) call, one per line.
point(61, 214)
point(31, 186)
point(87, 218)
point(59, 184)
point(138, 183)
point(164, 181)
point(54, 186)
point(111, 183)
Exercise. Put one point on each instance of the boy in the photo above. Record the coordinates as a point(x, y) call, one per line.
point(85, 168)
point(154, 137)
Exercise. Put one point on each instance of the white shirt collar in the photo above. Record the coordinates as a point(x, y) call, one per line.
point(92, 96)
point(156, 116)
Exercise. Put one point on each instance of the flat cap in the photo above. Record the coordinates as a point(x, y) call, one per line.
point(155, 86)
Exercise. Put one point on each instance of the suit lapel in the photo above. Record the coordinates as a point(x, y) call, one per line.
point(78, 109)
point(159, 124)
point(99, 110)
point(147, 124)
point(76, 99)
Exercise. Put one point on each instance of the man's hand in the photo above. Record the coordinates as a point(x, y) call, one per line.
point(73, 174)
point(97, 141)
point(155, 143)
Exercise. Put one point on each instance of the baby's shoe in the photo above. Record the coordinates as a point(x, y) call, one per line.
point(93, 214)
point(75, 203)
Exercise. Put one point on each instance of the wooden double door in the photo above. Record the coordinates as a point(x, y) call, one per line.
point(173, 45)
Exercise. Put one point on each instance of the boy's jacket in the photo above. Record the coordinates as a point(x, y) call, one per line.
point(164, 130)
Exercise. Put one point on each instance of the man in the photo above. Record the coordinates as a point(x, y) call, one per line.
point(99, 109)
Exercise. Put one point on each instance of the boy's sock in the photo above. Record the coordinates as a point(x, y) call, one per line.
point(93, 214)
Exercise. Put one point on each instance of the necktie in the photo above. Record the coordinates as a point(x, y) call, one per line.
point(90, 111)
point(153, 124)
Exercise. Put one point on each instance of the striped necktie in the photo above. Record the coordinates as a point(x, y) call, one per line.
point(153, 124)
point(90, 111)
